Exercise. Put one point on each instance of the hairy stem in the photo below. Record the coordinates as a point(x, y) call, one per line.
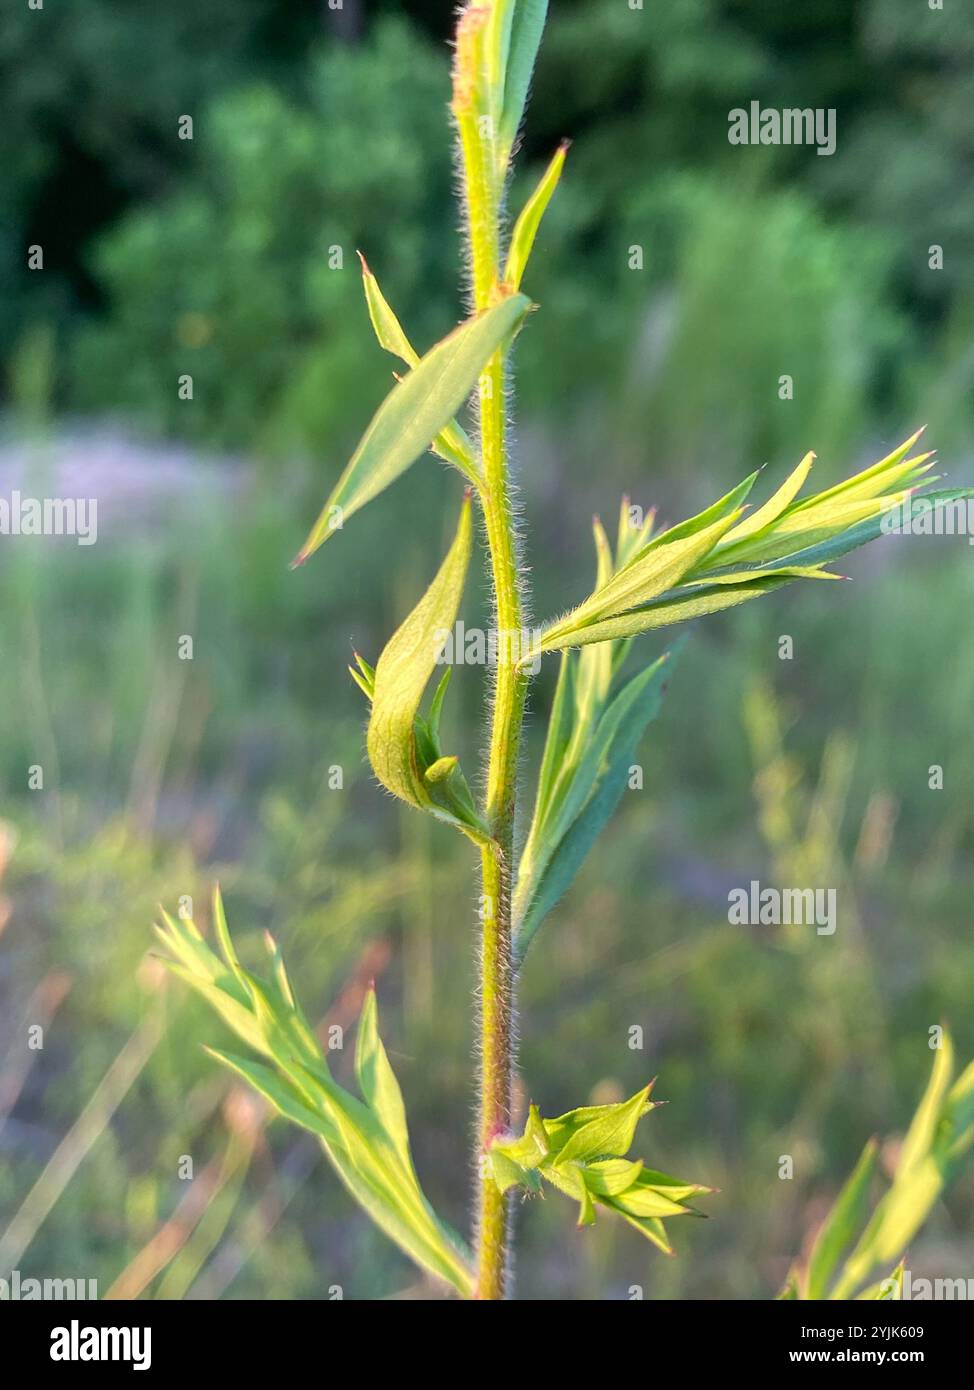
point(496, 967)
point(476, 121)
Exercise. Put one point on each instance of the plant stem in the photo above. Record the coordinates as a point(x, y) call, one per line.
point(496, 967)
point(476, 120)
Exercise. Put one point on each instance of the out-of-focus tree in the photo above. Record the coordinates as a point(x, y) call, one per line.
point(246, 278)
point(93, 93)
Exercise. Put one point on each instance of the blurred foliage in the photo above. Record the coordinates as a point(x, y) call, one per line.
point(769, 332)
point(258, 254)
point(92, 101)
point(211, 256)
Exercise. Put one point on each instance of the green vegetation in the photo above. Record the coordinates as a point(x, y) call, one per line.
point(244, 765)
point(712, 562)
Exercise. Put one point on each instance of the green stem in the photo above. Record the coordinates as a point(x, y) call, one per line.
point(496, 963)
point(474, 114)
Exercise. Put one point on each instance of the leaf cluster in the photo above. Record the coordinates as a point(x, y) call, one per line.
point(582, 1154)
point(365, 1137)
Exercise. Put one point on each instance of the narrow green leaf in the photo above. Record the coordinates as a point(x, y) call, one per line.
point(281, 1096)
point(659, 567)
point(279, 970)
point(821, 552)
point(497, 48)
point(529, 21)
point(796, 532)
point(674, 1188)
point(451, 443)
point(526, 226)
point(747, 575)
point(625, 719)
point(184, 940)
point(720, 510)
point(556, 742)
point(665, 612)
point(959, 1117)
point(436, 705)
point(388, 329)
point(904, 1209)
point(596, 667)
point(842, 1223)
point(223, 938)
point(415, 412)
point(630, 539)
point(906, 474)
point(874, 474)
point(923, 1127)
point(566, 836)
point(604, 562)
point(921, 1174)
point(377, 1081)
point(235, 1015)
point(772, 509)
point(923, 1169)
point(392, 1199)
point(361, 682)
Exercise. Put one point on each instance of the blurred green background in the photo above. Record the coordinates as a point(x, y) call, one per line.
point(316, 131)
